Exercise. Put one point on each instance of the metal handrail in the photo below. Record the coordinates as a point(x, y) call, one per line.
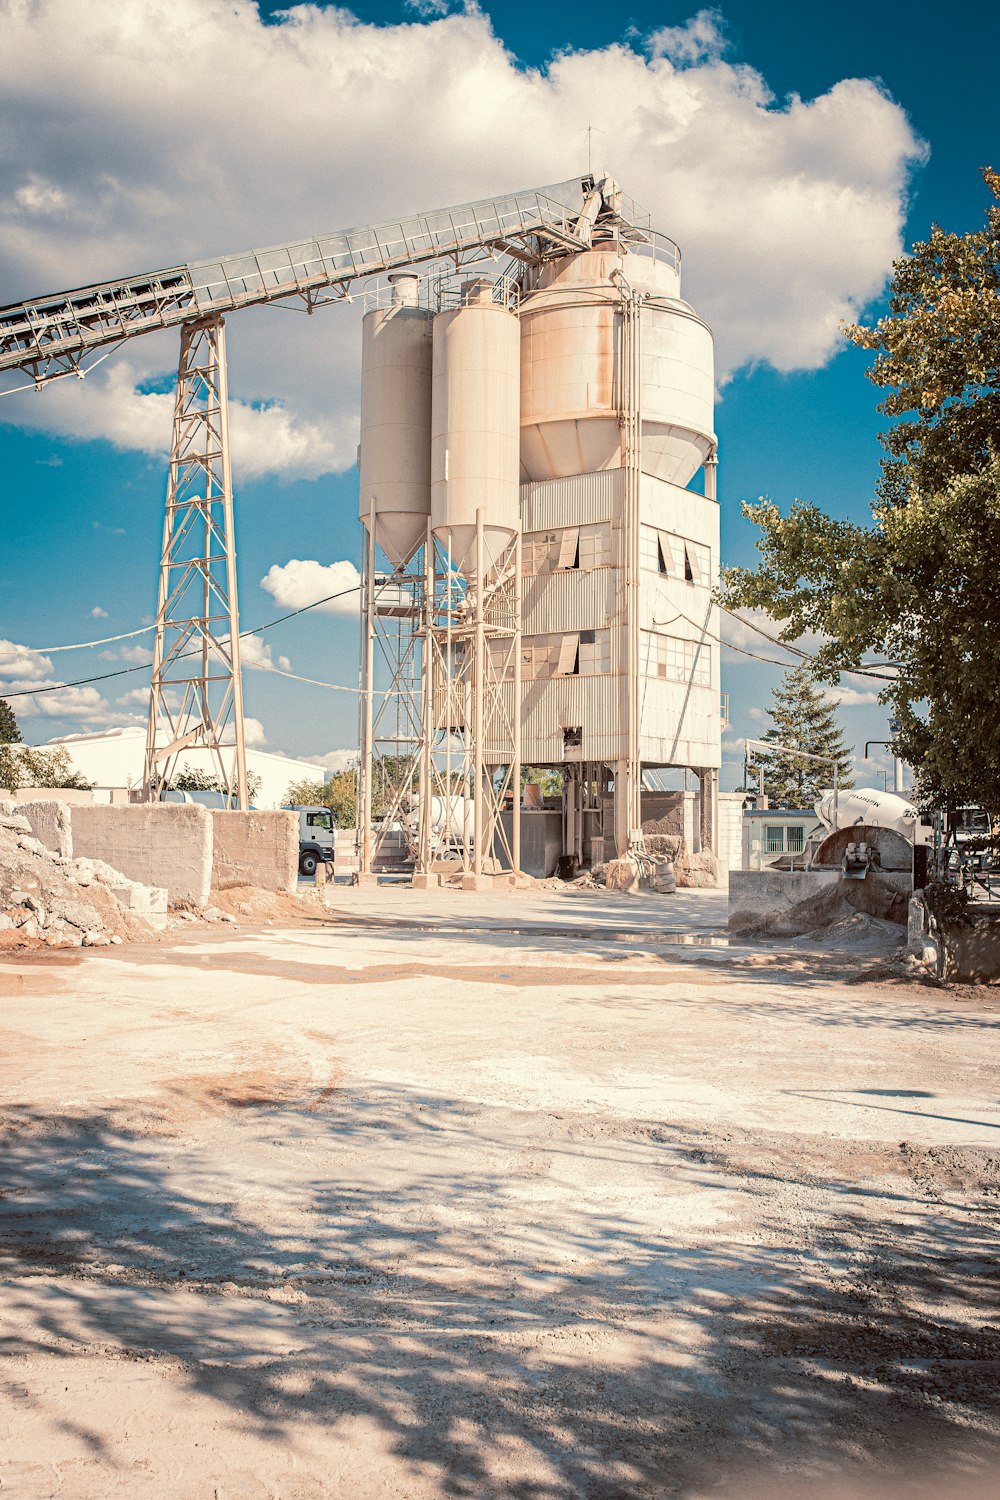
point(48, 336)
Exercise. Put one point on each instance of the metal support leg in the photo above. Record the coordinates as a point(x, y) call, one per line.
point(196, 692)
point(366, 758)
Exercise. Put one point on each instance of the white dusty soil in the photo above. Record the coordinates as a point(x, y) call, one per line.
point(461, 1195)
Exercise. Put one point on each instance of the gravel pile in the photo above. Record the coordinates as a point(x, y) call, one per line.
point(50, 901)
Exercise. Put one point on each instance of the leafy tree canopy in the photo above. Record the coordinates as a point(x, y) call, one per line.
point(919, 586)
point(22, 766)
point(338, 793)
point(197, 779)
point(804, 719)
point(10, 733)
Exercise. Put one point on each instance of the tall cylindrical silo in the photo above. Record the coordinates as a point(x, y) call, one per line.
point(395, 457)
point(571, 389)
point(474, 426)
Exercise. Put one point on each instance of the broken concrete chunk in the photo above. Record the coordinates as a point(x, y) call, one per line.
point(15, 823)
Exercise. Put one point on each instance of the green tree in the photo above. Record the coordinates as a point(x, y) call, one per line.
point(338, 792)
point(22, 766)
point(197, 779)
point(550, 781)
point(804, 719)
point(918, 587)
point(10, 733)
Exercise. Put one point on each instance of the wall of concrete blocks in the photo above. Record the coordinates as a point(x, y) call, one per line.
point(255, 848)
point(730, 835)
point(158, 844)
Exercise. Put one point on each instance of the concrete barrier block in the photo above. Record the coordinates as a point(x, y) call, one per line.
point(255, 848)
point(157, 844)
point(51, 823)
point(757, 897)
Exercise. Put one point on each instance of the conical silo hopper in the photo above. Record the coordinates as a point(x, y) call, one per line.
point(571, 375)
point(395, 453)
point(474, 444)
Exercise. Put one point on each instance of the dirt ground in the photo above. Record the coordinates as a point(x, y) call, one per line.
point(543, 1195)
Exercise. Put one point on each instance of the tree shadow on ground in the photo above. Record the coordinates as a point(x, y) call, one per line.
point(784, 984)
point(469, 1304)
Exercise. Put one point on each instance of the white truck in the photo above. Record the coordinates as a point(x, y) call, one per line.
point(315, 838)
point(865, 804)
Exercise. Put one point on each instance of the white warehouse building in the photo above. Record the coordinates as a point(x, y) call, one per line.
point(112, 760)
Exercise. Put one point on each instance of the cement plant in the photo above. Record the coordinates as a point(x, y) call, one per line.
point(552, 1122)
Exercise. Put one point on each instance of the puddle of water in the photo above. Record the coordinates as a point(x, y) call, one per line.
point(691, 939)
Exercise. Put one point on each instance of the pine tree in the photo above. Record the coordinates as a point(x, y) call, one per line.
point(804, 719)
point(10, 734)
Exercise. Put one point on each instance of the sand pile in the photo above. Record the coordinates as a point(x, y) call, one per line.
point(47, 900)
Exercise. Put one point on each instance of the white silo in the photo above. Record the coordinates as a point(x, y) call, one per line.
point(620, 630)
point(395, 453)
point(474, 427)
point(571, 386)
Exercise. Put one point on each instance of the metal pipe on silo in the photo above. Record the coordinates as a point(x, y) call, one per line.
point(366, 764)
point(479, 704)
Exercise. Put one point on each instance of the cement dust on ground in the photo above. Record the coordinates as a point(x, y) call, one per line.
point(465, 1195)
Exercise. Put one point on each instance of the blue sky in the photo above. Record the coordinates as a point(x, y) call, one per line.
point(98, 179)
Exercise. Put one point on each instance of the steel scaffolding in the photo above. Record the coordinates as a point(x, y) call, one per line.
point(391, 728)
point(472, 686)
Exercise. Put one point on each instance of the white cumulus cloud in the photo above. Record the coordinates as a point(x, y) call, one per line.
point(20, 666)
point(701, 39)
point(336, 760)
point(788, 211)
point(302, 581)
point(24, 670)
point(257, 653)
point(253, 734)
point(849, 697)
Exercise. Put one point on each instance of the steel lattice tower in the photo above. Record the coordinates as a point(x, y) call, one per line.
point(196, 694)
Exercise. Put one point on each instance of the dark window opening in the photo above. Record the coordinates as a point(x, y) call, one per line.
point(661, 566)
point(688, 570)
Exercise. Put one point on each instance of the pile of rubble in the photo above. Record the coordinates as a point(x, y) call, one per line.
point(662, 864)
point(48, 900)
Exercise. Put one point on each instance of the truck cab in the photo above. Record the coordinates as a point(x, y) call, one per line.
point(315, 838)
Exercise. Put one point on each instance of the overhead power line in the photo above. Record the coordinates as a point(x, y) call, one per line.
point(106, 640)
point(57, 687)
point(771, 661)
point(338, 687)
point(786, 645)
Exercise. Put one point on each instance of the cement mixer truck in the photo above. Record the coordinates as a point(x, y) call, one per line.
point(866, 805)
point(452, 822)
